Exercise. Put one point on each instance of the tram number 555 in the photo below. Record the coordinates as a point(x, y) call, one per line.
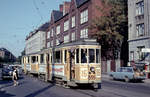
point(84, 73)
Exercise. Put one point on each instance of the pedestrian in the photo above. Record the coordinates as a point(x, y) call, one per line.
point(14, 76)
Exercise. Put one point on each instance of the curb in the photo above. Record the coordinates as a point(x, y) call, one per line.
point(107, 76)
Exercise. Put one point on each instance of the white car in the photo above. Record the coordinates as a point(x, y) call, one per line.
point(127, 74)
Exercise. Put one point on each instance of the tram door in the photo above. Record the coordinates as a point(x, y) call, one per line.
point(48, 67)
point(72, 65)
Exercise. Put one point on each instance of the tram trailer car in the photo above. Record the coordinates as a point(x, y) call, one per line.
point(26, 66)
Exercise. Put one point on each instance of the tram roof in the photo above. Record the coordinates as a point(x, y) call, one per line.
point(85, 41)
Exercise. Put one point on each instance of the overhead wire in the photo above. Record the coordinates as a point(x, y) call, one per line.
point(38, 12)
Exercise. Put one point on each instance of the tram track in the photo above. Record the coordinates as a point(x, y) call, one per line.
point(88, 91)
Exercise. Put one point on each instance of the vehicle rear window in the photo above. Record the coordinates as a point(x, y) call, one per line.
point(129, 70)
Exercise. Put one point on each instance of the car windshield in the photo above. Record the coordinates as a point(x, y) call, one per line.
point(10, 68)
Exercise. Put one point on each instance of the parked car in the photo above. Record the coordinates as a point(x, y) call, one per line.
point(1, 65)
point(19, 70)
point(7, 72)
point(128, 73)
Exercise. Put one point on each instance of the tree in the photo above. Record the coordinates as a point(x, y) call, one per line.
point(111, 27)
point(1, 59)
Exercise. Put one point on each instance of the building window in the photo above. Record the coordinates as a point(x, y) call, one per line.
point(48, 44)
point(73, 36)
point(52, 43)
point(66, 38)
point(84, 16)
point(84, 33)
point(57, 42)
point(58, 29)
point(66, 25)
point(52, 32)
point(48, 34)
point(131, 55)
point(73, 21)
point(139, 52)
point(140, 29)
point(140, 8)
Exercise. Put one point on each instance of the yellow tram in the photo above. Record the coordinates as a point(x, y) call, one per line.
point(70, 64)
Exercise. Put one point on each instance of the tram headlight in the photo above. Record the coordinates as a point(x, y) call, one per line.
point(92, 69)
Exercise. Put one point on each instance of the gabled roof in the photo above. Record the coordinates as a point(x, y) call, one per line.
point(44, 27)
point(57, 15)
point(3, 49)
point(80, 2)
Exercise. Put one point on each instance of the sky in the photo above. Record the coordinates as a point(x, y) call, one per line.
point(19, 17)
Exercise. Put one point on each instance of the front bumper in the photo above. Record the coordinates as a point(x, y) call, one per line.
point(140, 78)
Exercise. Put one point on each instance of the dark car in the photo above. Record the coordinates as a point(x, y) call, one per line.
point(7, 72)
point(1, 65)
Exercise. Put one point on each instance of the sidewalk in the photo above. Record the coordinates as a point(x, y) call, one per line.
point(147, 81)
point(106, 76)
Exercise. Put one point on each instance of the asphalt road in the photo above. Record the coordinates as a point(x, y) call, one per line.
point(32, 87)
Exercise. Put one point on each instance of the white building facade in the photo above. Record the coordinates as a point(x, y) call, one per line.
point(35, 42)
point(139, 28)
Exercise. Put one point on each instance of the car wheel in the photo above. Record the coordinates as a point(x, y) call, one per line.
point(126, 79)
point(3, 78)
point(111, 77)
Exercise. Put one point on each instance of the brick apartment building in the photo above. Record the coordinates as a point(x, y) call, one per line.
point(71, 21)
point(5, 54)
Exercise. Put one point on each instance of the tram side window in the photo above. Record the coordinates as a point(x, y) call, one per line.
point(42, 58)
point(65, 56)
point(77, 56)
point(37, 58)
point(28, 59)
point(58, 56)
point(83, 55)
point(91, 56)
point(97, 56)
point(33, 59)
point(47, 58)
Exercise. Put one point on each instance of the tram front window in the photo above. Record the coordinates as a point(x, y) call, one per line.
point(77, 55)
point(33, 59)
point(97, 56)
point(83, 55)
point(91, 56)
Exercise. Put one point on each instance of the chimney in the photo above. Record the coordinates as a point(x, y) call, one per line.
point(66, 7)
point(61, 7)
